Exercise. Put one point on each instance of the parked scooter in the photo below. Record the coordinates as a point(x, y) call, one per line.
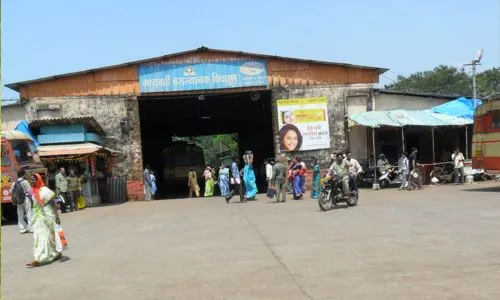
point(390, 176)
point(331, 194)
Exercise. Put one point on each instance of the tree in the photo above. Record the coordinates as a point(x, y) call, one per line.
point(446, 80)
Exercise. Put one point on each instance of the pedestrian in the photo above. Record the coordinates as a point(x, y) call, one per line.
point(194, 188)
point(316, 180)
point(269, 170)
point(278, 179)
point(403, 167)
point(154, 188)
point(302, 174)
point(62, 189)
point(298, 192)
point(45, 218)
point(235, 181)
point(224, 181)
point(415, 180)
point(21, 197)
point(354, 170)
point(341, 169)
point(249, 177)
point(209, 182)
point(73, 182)
point(458, 163)
point(147, 183)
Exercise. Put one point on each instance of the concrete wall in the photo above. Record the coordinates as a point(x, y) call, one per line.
point(109, 112)
point(393, 101)
point(338, 97)
point(12, 115)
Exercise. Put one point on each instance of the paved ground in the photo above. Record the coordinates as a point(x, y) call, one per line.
point(440, 243)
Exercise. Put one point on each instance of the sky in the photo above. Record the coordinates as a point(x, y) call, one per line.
point(43, 38)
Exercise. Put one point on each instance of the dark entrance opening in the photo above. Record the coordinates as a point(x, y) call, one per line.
point(247, 115)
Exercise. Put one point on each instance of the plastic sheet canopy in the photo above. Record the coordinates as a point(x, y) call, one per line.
point(401, 117)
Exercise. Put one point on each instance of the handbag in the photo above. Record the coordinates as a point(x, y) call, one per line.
point(271, 192)
point(80, 202)
point(61, 242)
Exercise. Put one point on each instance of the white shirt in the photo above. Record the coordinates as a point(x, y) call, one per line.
point(354, 166)
point(403, 163)
point(458, 159)
point(269, 171)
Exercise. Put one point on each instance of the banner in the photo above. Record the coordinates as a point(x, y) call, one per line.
point(303, 124)
point(164, 77)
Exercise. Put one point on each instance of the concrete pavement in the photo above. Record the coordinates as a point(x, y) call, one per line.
point(439, 243)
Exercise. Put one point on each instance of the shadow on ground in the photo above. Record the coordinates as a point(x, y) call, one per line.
point(484, 189)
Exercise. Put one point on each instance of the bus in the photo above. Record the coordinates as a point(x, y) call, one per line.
point(18, 152)
point(486, 137)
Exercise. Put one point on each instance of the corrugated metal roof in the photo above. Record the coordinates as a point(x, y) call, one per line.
point(400, 117)
point(16, 85)
point(418, 94)
point(89, 121)
point(71, 149)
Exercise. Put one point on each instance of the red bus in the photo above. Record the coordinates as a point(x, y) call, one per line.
point(486, 137)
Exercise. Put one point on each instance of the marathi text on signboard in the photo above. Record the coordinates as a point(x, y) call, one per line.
point(303, 124)
point(164, 77)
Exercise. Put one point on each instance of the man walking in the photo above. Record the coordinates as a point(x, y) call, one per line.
point(458, 161)
point(278, 179)
point(403, 170)
point(354, 170)
point(21, 197)
point(414, 179)
point(62, 189)
point(235, 181)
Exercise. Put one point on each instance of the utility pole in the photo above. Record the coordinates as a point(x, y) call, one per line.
point(476, 61)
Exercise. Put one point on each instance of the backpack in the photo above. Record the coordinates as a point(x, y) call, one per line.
point(18, 194)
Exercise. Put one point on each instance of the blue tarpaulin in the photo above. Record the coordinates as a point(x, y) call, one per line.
point(23, 126)
point(401, 117)
point(460, 107)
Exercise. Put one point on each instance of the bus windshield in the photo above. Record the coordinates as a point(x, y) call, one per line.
point(24, 151)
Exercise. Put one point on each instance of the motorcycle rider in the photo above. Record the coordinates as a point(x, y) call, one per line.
point(340, 167)
point(354, 170)
point(382, 163)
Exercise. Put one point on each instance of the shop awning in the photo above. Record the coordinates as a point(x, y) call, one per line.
point(71, 149)
point(401, 117)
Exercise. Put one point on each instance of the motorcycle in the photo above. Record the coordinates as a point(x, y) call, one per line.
point(331, 194)
point(390, 176)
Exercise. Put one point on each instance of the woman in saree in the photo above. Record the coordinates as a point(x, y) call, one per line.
point(316, 180)
point(224, 181)
point(209, 182)
point(45, 217)
point(297, 180)
point(249, 177)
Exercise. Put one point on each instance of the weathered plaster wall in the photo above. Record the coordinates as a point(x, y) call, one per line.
point(110, 112)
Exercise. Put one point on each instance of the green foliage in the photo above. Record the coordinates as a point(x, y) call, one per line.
point(215, 146)
point(446, 80)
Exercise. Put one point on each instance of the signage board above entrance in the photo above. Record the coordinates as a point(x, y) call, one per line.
point(164, 77)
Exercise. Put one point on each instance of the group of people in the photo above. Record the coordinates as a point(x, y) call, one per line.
point(227, 178)
point(69, 190)
point(38, 203)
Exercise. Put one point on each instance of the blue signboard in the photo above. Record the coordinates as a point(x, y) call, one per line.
point(163, 77)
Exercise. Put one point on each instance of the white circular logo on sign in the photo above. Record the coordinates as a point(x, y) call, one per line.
point(5, 192)
point(252, 68)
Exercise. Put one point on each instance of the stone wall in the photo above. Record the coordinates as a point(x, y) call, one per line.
point(338, 100)
point(117, 115)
